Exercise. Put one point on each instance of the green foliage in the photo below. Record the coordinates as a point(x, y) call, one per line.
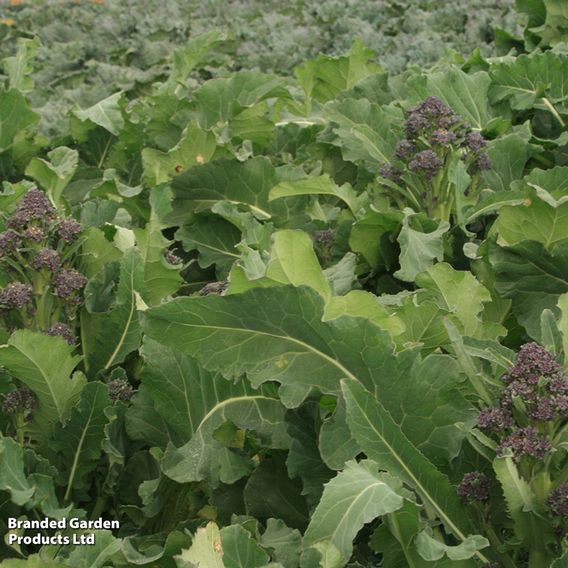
point(297, 295)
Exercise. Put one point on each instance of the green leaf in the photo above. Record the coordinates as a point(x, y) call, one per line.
point(206, 550)
point(160, 278)
point(419, 248)
point(270, 492)
point(304, 459)
point(368, 233)
point(283, 543)
point(465, 93)
point(195, 147)
point(246, 183)
point(526, 80)
point(461, 294)
point(240, 550)
point(15, 117)
point(44, 364)
point(106, 113)
point(97, 555)
point(195, 403)
point(380, 438)
point(273, 334)
point(362, 304)
point(356, 496)
point(563, 323)
point(431, 549)
point(79, 442)
point(530, 523)
point(326, 76)
point(509, 155)
point(550, 185)
point(12, 476)
point(55, 174)
point(317, 185)
point(216, 241)
point(19, 67)
point(531, 277)
point(365, 131)
point(533, 220)
point(109, 337)
point(187, 58)
point(32, 561)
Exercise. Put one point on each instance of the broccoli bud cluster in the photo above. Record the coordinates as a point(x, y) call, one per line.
point(475, 486)
point(436, 138)
point(19, 401)
point(533, 406)
point(119, 390)
point(37, 249)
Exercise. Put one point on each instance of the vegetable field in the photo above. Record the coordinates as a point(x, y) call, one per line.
point(284, 285)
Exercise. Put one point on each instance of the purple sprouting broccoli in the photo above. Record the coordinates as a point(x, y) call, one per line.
point(214, 288)
point(67, 282)
point(48, 259)
point(404, 149)
point(119, 390)
point(61, 330)
point(10, 242)
point(324, 236)
point(21, 400)
point(388, 171)
point(427, 163)
point(16, 295)
point(475, 486)
point(475, 141)
point(34, 206)
point(525, 442)
point(36, 234)
point(558, 500)
point(68, 229)
point(531, 363)
point(172, 258)
point(443, 137)
point(494, 419)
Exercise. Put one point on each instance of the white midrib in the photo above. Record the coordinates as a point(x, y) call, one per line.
point(419, 485)
point(77, 454)
point(331, 360)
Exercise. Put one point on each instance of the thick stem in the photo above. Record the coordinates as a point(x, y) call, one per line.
point(553, 110)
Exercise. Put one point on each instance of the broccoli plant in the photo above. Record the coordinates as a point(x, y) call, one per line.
point(439, 151)
point(38, 253)
point(526, 431)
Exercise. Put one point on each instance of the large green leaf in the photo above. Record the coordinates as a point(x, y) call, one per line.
point(365, 131)
point(195, 147)
point(381, 439)
point(317, 185)
point(420, 246)
point(79, 442)
point(106, 114)
point(206, 550)
point(527, 81)
point(15, 116)
point(532, 277)
point(326, 76)
point(161, 279)
point(356, 496)
point(246, 183)
point(240, 550)
point(44, 364)
point(535, 220)
point(19, 67)
point(55, 174)
point(97, 555)
point(273, 334)
point(12, 475)
point(465, 93)
point(460, 294)
point(283, 543)
point(195, 404)
point(109, 337)
point(216, 241)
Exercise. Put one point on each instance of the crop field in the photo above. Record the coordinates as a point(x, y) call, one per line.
point(284, 285)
